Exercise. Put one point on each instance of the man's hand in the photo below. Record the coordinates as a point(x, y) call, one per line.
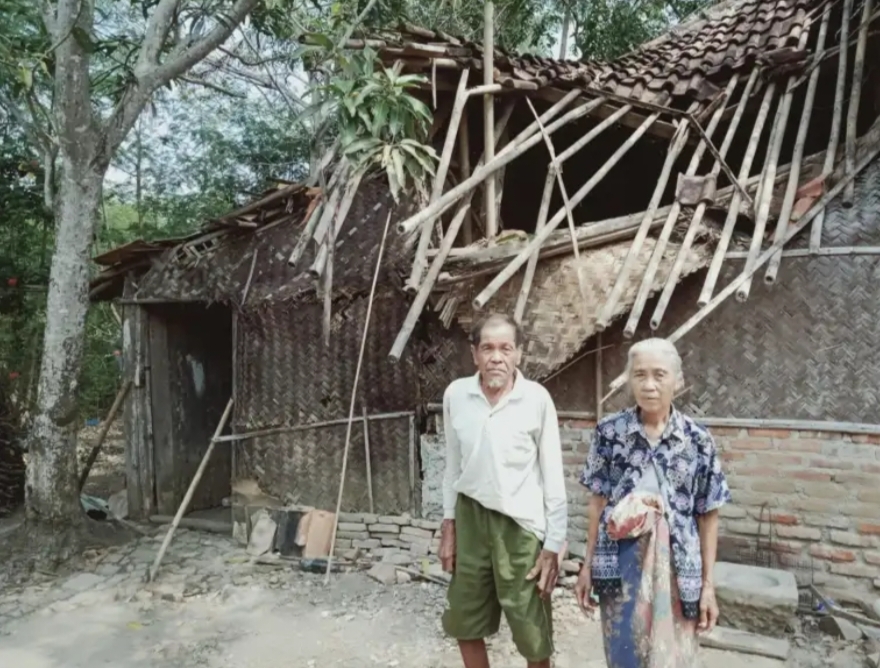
point(447, 546)
point(708, 608)
point(583, 589)
point(545, 571)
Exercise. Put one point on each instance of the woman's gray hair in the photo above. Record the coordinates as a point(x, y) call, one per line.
point(660, 346)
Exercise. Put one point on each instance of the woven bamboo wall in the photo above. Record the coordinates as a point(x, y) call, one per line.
point(805, 348)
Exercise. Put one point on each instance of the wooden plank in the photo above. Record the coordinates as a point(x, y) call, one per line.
point(744, 642)
point(212, 526)
point(161, 400)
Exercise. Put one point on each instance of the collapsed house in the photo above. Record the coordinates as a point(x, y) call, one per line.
point(733, 157)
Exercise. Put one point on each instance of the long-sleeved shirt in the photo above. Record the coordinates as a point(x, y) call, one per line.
point(507, 457)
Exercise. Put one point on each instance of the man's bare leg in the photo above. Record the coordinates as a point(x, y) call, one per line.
point(473, 653)
point(540, 664)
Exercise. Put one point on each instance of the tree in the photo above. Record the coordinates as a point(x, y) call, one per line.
point(77, 77)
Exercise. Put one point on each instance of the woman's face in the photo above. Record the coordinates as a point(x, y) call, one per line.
point(653, 381)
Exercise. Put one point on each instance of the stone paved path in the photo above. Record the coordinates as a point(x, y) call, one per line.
point(212, 608)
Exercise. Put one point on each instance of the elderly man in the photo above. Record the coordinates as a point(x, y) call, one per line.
point(504, 501)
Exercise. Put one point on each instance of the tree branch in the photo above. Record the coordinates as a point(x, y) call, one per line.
point(207, 84)
point(154, 38)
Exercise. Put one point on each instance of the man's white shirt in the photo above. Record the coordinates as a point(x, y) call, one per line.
point(507, 457)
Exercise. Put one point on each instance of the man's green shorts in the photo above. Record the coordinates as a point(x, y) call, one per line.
point(493, 556)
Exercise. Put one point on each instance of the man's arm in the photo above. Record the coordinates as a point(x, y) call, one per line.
point(453, 460)
point(553, 474)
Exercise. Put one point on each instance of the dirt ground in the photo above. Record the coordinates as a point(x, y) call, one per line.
point(212, 607)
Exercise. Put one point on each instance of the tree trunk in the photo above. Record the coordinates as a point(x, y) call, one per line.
point(52, 490)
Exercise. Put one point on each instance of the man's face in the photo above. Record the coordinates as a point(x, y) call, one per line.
point(497, 355)
point(653, 381)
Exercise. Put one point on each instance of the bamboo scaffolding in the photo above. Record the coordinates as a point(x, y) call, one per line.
point(529, 276)
point(523, 142)
point(832, 251)
point(764, 258)
point(250, 278)
point(458, 107)
point(767, 183)
point(489, 114)
point(733, 210)
point(697, 218)
point(852, 112)
point(502, 140)
point(650, 274)
point(367, 459)
point(797, 157)
point(274, 431)
point(305, 237)
point(675, 148)
point(317, 267)
point(421, 298)
point(354, 387)
point(540, 237)
point(464, 161)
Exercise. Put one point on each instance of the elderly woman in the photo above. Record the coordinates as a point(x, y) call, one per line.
point(657, 485)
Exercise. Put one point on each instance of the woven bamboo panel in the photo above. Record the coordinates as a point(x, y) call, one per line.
point(304, 467)
point(553, 327)
point(804, 348)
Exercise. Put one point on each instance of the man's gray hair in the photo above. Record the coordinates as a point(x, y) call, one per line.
point(659, 346)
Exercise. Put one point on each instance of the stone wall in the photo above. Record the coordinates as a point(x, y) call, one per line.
point(401, 539)
point(807, 502)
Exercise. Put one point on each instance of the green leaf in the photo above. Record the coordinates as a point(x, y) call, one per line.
point(398, 160)
point(360, 145)
point(380, 117)
point(27, 78)
point(317, 39)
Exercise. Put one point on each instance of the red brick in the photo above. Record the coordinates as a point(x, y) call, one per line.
point(728, 456)
point(827, 521)
point(725, 431)
point(751, 444)
point(775, 485)
point(781, 459)
point(799, 445)
point(811, 505)
point(869, 529)
point(869, 468)
point(850, 539)
point(748, 470)
point(856, 479)
point(872, 558)
point(815, 476)
point(866, 438)
point(789, 520)
point(822, 463)
point(799, 533)
point(573, 459)
point(579, 424)
point(821, 435)
point(783, 546)
point(871, 496)
point(836, 555)
point(862, 510)
point(825, 490)
point(770, 433)
point(854, 570)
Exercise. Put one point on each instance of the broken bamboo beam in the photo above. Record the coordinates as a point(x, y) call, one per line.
point(273, 431)
point(458, 107)
point(523, 142)
point(764, 258)
point(733, 209)
point(540, 237)
point(464, 162)
point(105, 428)
point(607, 312)
point(369, 463)
point(697, 218)
point(306, 235)
point(852, 112)
point(502, 140)
point(647, 284)
point(421, 298)
point(491, 226)
point(354, 387)
point(187, 498)
point(529, 276)
point(250, 278)
point(794, 173)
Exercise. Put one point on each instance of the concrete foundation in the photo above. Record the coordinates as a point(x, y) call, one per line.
point(760, 600)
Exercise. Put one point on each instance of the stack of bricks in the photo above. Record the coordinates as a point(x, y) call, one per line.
point(386, 537)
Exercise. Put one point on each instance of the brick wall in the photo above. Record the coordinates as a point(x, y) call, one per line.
point(820, 491)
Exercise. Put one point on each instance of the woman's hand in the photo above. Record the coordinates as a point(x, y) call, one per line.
point(583, 588)
point(708, 608)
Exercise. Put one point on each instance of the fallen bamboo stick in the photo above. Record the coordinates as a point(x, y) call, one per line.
point(306, 235)
point(529, 276)
point(540, 237)
point(491, 226)
point(458, 107)
point(317, 268)
point(273, 431)
point(733, 210)
point(357, 375)
point(105, 428)
point(675, 147)
point(524, 141)
point(852, 112)
point(764, 258)
point(327, 289)
point(464, 161)
point(151, 574)
point(647, 284)
point(250, 278)
point(367, 459)
point(502, 140)
point(328, 215)
point(421, 298)
point(697, 218)
point(766, 197)
point(794, 174)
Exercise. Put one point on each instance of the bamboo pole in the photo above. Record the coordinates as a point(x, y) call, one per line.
point(367, 460)
point(501, 140)
point(540, 237)
point(250, 278)
point(764, 258)
point(489, 114)
point(421, 298)
point(187, 499)
point(794, 173)
point(317, 268)
point(675, 147)
point(733, 210)
point(458, 107)
point(464, 160)
point(647, 284)
point(852, 112)
point(105, 427)
point(529, 276)
point(769, 180)
point(272, 431)
point(700, 211)
point(306, 235)
point(354, 387)
point(523, 142)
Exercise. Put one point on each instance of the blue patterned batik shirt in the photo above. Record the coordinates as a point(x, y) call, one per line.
point(690, 476)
